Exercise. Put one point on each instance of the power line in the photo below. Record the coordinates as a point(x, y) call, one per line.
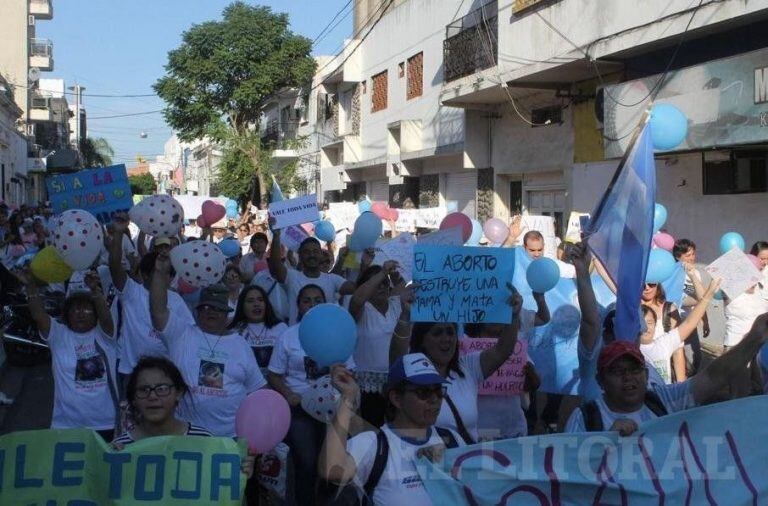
point(126, 115)
point(93, 95)
point(323, 32)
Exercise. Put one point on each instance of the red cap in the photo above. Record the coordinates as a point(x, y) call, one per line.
point(617, 349)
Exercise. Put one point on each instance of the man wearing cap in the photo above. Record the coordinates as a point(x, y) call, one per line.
point(383, 465)
point(628, 401)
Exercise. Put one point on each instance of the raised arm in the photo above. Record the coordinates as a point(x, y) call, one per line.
point(141, 244)
point(542, 310)
point(338, 267)
point(40, 316)
point(115, 249)
point(493, 358)
point(690, 323)
point(335, 464)
point(515, 229)
point(158, 293)
point(400, 343)
point(364, 292)
point(590, 328)
point(276, 267)
point(103, 314)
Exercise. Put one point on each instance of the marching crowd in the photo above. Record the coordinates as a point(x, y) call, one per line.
point(137, 354)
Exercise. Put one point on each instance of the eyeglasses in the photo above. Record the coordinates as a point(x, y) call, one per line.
point(620, 372)
point(207, 307)
point(161, 390)
point(426, 393)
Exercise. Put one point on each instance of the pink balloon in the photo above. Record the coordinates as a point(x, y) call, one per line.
point(259, 266)
point(756, 262)
point(394, 214)
point(380, 209)
point(263, 419)
point(213, 211)
point(496, 230)
point(458, 220)
point(201, 222)
point(185, 288)
point(664, 241)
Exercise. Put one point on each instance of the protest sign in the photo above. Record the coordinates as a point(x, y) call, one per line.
point(75, 466)
point(509, 378)
point(573, 233)
point(736, 270)
point(294, 211)
point(447, 237)
point(342, 215)
point(546, 226)
point(458, 284)
point(399, 249)
point(292, 237)
point(700, 456)
point(102, 191)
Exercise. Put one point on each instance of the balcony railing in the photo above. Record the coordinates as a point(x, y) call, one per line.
point(40, 47)
point(279, 134)
point(40, 102)
point(471, 43)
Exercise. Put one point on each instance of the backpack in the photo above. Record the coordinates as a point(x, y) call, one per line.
point(667, 314)
point(593, 422)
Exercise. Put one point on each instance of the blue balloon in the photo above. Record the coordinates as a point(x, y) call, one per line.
point(476, 235)
point(451, 206)
point(718, 295)
point(325, 231)
point(542, 274)
point(354, 244)
point(230, 247)
point(661, 265)
point(731, 240)
point(669, 126)
point(659, 217)
point(364, 206)
point(328, 334)
point(367, 230)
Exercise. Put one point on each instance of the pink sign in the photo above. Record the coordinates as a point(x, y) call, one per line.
point(509, 378)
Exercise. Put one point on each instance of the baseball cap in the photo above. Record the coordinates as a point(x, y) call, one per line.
point(215, 296)
point(611, 352)
point(414, 368)
point(160, 241)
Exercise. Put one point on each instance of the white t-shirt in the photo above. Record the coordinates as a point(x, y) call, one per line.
point(676, 397)
point(138, 337)
point(262, 341)
point(128, 250)
point(219, 369)
point(374, 332)
point(400, 483)
point(659, 352)
point(463, 393)
point(275, 293)
point(296, 280)
point(245, 245)
point(298, 370)
point(81, 396)
point(740, 314)
point(247, 264)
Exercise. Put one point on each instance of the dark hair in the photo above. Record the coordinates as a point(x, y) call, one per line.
point(270, 320)
point(681, 247)
point(147, 265)
point(390, 410)
point(161, 364)
point(661, 294)
point(646, 311)
point(309, 240)
point(259, 236)
point(758, 247)
point(368, 274)
point(532, 234)
point(233, 267)
point(71, 300)
point(418, 333)
point(309, 287)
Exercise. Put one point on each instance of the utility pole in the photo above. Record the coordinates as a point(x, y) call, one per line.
point(78, 101)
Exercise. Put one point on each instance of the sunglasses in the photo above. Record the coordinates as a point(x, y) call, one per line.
point(426, 393)
point(651, 285)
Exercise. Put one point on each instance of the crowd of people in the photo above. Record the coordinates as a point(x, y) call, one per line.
point(137, 355)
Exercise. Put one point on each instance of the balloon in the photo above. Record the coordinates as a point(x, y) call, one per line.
point(230, 247)
point(364, 206)
point(212, 211)
point(669, 126)
point(659, 217)
point(158, 216)
point(452, 206)
point(731, 240)
point(232, 209)
point(308, 228)
point(321, 400)
point(458, 220)
point(661, 265)
point(756, 262)
point(496, 230)
point(477, 234)
point(328, 334)
point(185, 288)
point(367, 229)
point(394, 214)
point(380, 209)
point(325, 231)
point(664, 241)
point(199, 263)
point(49, 267)
point(542, 274)
point(78, 238)
point(718, 295)
point(263, 419)
point(259, 266)
point(354, 243)
point(201, 222)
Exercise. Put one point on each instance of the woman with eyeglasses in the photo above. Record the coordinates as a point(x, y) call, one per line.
point(668, 317)
point(255, 320)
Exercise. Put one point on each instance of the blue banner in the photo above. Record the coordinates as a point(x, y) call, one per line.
point(101, 191)
point(709, 455)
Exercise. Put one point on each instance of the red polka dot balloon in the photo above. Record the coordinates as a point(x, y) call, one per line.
point(78, 238)
point(199, 263)
point(158, 216)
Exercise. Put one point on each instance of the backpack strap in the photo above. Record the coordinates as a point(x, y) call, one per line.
point(379, 463)
point(447, 436)
point(110, 382)
point(654, 403)
point(593, 421)
point(461, 428)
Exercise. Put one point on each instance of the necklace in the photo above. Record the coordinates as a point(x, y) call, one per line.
point(212, 350)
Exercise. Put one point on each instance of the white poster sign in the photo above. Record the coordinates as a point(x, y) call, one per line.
point(294, 211)
point(737, 271)
point(399, 249)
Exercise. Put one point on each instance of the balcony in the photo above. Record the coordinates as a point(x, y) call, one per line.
point(41, 54)
point(471, 43)
point(333, 178)
point(40, 108)
point(41, 9)
point(279, 135)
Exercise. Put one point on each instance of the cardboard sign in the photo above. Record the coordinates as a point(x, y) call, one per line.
point(509, 378)
point(447, 237)
point(102, 191)
point(399, 249)
point(294, 211)
point(737, 271)
point(464, 285)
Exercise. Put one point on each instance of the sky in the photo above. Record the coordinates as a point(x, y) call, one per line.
point(119, 47)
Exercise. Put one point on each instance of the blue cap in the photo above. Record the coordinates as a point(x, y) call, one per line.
point(414, 368)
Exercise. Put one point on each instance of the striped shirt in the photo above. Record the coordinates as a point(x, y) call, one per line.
point(126, 437)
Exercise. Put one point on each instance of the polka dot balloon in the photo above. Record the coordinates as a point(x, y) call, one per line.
point(158, 216)
point(78, 238)
point(321, 400)
point(199, 263)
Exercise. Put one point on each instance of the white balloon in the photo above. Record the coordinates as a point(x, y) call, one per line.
point(78, 238)
point(199, 263)
point(158, 216)
point(321, 400)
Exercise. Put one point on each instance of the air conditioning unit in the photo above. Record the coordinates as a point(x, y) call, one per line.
point(31, 20)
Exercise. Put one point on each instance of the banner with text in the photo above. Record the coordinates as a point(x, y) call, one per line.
point(67, 467)
point(101, 192)
point(705, 455)
point(510, 377)
point(294, 211)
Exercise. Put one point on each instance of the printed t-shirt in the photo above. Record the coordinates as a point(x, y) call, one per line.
point(262, 341)
point(296, 280)
point(659, 352)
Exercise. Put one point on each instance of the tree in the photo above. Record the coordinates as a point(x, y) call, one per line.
point(95, 152)
point(218, 79)
point(142, 184)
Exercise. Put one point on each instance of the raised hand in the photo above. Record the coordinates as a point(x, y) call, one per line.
point(345, 383)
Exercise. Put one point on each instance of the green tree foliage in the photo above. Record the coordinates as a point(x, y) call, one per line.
point(222, 73)
point(142, 184)
point(95, 152)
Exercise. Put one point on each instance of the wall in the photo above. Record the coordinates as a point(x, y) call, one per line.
point(14, 49)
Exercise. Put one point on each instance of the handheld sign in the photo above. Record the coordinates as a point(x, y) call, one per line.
point(737, 271)
point(399, 249)
point(294, 211)
point(102, 191)
point(510, 377)
point(460, 284)
point(447, 237)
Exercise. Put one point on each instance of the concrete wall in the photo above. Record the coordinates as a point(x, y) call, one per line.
point(14, 48)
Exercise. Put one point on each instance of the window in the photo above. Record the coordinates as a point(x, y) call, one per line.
point(547, 116)
point(415, 85)
point(364, 86)
point(379, 98)
point(729, 172)
point(401, 69)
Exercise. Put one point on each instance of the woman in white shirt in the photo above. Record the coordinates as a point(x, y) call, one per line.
point(255, 320)
point(668, 316)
